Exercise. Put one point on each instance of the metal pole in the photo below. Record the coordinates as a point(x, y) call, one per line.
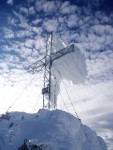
point(45, 73)
point(51, 34)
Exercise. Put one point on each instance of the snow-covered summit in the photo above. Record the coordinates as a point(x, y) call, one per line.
point(56, 129)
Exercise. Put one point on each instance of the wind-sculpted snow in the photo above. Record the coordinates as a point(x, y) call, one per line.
point(57, 129)
point(71, 66)
point(67, 64)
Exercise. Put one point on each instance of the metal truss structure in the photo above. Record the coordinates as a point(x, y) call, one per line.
point(46, 65)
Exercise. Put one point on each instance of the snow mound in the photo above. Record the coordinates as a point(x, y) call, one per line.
point(55, 129)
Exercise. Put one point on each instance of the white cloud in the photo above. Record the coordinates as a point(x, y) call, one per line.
point(13, 21)
point(24, 34)
point(36, 21)
point(32, 11)
point(21, 84)
point(10, 2)
point(51, 25)
point(39, 44)
point(7, 48)
point(102, 63)
point(29, 43)
point(37, 30)
point(65, 7)
point(23, 10)
point(39, 5)
point(108, 29)
point(49, 7)
point(22, 20)
point(100, 29)
point(4, 66)
point(8, 33)
point(72, 21)
point(9, 36)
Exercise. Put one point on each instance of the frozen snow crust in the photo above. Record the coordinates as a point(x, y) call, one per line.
point(58, 129)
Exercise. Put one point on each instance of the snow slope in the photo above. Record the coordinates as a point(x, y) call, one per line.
point(57, 129)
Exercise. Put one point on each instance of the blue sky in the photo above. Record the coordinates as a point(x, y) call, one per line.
point(89, 24)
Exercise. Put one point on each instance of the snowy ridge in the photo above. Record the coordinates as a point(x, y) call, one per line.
point(58, 129)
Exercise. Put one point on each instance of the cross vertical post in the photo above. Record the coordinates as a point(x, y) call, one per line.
point(46, 91)
point(50, 65)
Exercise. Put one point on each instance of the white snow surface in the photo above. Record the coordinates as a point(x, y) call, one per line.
point(57, 129)
point(71, 67)
point(57, 43)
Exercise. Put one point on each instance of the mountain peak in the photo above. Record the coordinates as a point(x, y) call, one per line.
point(54, 130)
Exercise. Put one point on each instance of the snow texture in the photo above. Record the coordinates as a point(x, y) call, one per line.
point(71, 66)
point(56, 130)
point(57, 43)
